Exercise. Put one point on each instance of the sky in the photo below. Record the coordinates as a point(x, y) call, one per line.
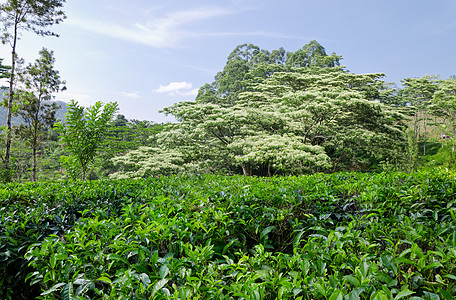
point(148, 54)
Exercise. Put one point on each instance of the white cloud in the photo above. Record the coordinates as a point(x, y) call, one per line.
point(174, 87)
point(182, 88)
point(162, 32)
point(133, 95)
point(81, 97)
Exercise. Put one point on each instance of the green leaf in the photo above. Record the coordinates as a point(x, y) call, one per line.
point(145, 279)
point(404, 260)
point(164, 271)
point(53, 289)
point(450, 276)
point(67, 292)
point(435, 264)
point(354, 294)
point(403, 294)
point(446, 294)
point(337, 295)
point(352, 280)
point(297, 239)
point(266, 231)
point(159, 285)
point(105, 279)
point(227, 246)
point(415, 249)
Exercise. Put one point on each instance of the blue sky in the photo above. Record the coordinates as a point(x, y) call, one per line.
point(148, 54)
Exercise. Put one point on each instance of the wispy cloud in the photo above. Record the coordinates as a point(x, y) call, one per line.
point(163, 32)
point(277, 35)
point(181, 88)
point(445, 28)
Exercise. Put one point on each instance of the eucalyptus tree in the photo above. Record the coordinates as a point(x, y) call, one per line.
point(39, 82)
point(417, 93)
point(18, 16)
point(444, 104)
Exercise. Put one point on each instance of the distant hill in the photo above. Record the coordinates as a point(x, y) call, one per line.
point(17, 120)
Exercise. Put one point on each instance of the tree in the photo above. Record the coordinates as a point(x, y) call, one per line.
point(40, 81)
point(83, 132)
point(418, 93)
point(312, 55)
point(275, 119)
point(148, 161)
point(329, 115)
point(444, 104)
point(296, 122)
point(123, 137)
point(18, 16)
point(235, 76)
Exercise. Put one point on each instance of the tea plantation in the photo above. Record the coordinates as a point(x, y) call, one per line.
point(338, 236)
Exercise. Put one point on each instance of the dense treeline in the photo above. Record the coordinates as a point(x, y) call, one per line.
point(266, 113)
point(277, 113)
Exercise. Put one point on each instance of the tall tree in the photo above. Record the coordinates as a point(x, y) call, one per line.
point(234, 78)
point(40, 81)
point(84, 131)
point(18, 16)
point(418, 93)
point(124, 136)
point(312, 55)
point(444, 104)
point(295, 122)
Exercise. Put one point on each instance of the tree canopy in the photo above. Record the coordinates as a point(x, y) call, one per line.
point(260, 117)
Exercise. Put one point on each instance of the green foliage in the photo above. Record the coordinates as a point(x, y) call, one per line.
point(83, 132)
point(18, 16)
point(148, 161)
point(24, 15)
point(4, 70)
point(295, 122)
point(40, 81)
point(344, 235)
point(248, 58)
point(417, 94)
point(123, 137)
point(278, 113)
point(444, 104)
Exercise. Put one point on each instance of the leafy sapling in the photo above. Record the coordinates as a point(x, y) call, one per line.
point(83, 133)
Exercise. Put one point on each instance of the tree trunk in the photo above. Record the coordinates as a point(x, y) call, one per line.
point(34, 162)
point(10, 105)
point(246, 170)
point(453, 137)
point(425, 131)
point(35, 135)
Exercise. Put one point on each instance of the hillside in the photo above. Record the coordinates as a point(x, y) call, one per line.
point(17, 120)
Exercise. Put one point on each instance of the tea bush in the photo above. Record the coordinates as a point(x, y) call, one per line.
point(337, 236)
